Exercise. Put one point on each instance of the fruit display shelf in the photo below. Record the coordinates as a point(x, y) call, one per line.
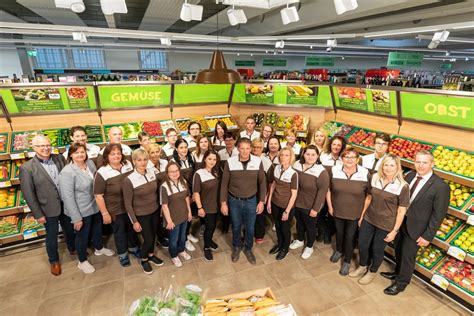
point(153, 128)
point(95, 135)
point(459, 275)
point(454, 161)
point(449, 225)
point(4, 143)
point(333, 128)
point(19, 228)
point(183, 124)
point(429, 256)
point(362, 138)
point(226, 118)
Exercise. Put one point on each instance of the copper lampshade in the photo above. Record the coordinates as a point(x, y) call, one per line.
point(218, 72)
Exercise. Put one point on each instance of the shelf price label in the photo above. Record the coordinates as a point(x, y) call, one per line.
point(470, 220)
point(440, 281)
point(31, 154)
point(457, 253)
point(17, 156)
point(5, 184)
point(26, 209)
point(301, 134)
point(55, 151)
point(30, 233)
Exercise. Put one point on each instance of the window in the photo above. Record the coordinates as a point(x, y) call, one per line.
point(88, 58)
point(153, 59)
point(50, 58)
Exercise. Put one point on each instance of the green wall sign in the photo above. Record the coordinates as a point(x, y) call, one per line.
point(319, 61)
point(45, 99)
point(450, 110)
point(446, 66)
point(245, 63)
point(274, 62)
point(401, 59)
point(131, 96)
point(201, 93)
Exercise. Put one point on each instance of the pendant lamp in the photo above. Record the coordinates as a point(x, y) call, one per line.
point(218, 72)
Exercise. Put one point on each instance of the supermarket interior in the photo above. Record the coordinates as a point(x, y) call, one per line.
point(366, 74)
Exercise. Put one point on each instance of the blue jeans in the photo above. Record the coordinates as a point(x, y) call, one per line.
point(90, 224)
point(243, 212)
point(52, 230)
point(124, 235)
point(177, 239)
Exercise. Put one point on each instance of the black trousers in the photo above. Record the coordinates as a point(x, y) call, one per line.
point(260, 224)
point(305, 226)
point(194, 213)
point(124, 235)
point(345, 233)
point(371, 245)
point(210, 221)
point(283, 228)
point(405, 256)
point(324, 224)
point(149, 225)
point(161, 232)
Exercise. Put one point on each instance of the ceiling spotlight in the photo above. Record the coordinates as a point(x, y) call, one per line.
point(165, 41)
point(433, 44)
point(266, 52)
point(76, 6)
point(274, 53)
point(329, 49)
point(331, 42)
point(191, 12)
point(447, 53)
point(236, 16)
point(79, 36)
point(467, 59)
point(251, 55)
point(289, 15)
point(438, 37)
point(113, 6)
point(343, 58)
point(280, 44)
point(282, 52)
point(342, 6)
point(311, 47)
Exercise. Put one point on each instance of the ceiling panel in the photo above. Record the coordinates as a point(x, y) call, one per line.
point(48, 10)
point(134, 17)
point(7, 17)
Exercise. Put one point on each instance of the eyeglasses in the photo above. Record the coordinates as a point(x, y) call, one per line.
point(42, 146)
point(381, 144)
point(350, 157)
point(257, 147)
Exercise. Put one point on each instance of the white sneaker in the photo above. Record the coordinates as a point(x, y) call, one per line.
point(186, 256)
point(192, 238)
point(86, 267)
point(307, 253)
point(177, 263)
point(104, 251)
point(295, 244)
point(189, 246)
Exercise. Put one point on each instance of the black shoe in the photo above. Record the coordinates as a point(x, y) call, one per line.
point(208, 255)
point(250, 256)
point(274, 250)
point(393, 289)
point(327, 240)
point(235, 254)
point(388, 275)
point(146, 267)
point(214, 246)
point(319, 238)
point(336, 255)
point(345, 269)
point(156, 261)
point(282, 254)
point(163, 243)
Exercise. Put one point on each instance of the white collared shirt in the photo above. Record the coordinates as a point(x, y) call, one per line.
point(420, 185)
point(254, 135)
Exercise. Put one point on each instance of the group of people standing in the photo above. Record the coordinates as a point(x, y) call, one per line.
point(157, 192)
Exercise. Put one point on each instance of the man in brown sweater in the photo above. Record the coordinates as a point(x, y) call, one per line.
point(243, 190)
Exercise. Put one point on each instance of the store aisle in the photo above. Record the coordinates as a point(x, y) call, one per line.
point(313, 286)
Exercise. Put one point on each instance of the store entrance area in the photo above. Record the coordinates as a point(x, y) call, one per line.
point(312, 286)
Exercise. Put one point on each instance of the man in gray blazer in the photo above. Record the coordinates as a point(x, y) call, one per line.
point(39, 178)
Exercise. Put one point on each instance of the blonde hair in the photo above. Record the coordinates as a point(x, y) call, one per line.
point(257, 141)
point(139, 153)
point(399, 175)
point(292, 155)
point(326, 139)
point(151, 147)
point(291, 131)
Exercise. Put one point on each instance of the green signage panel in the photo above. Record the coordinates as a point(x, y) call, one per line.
point(245, 63)
point(201, 93)
point(131, 96)
point(446, 66)
point(319, 61)
point(450, 110)
point(274, 62)
point(382, 102)
point(400, 59)
point(45, 99)
point(301, 94)
point(351, 99)
point(259, 93)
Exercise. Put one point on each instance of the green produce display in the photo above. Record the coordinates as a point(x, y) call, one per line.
point(447, 227)
point(271, 118)
point(29, 222)
point(54, 136)
point(9, 225)
point(429, 256)
point(465, 240)
point(258, 117)
point(459, 194)
point(453, 160)
point(129, 130)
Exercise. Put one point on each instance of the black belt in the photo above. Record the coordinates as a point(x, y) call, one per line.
point(242, 199)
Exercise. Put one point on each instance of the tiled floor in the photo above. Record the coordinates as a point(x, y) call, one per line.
point(313, 286)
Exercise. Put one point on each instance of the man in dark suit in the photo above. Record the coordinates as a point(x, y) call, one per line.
point(39, 178)
point(429, 200)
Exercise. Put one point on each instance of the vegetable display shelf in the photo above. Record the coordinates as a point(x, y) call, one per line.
point(183, 123)
point(226, 118)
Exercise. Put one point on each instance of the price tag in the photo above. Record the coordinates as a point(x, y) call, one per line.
point(279, 133)
point(470, 220)
point(31, 154)
point(30, 233)
point(17, 156)
point(440, 281)
point(301, 134)
point(55, 151)
point(457, 253)
point(5, 184)
point(26, 209)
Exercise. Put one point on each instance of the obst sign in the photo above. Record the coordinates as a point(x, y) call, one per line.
point(450, 110)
